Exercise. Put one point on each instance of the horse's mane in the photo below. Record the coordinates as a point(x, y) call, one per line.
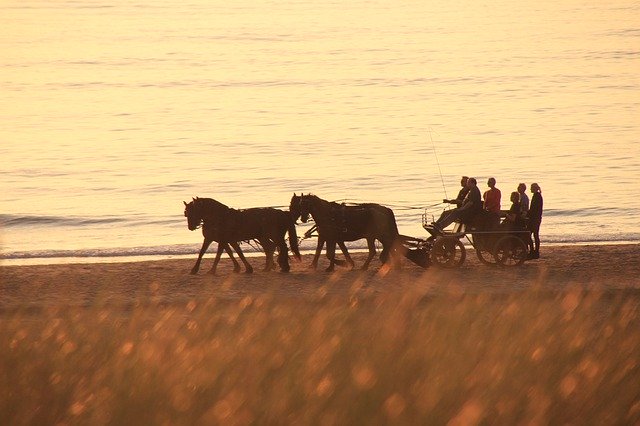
point(210, 203)
point(318, 199)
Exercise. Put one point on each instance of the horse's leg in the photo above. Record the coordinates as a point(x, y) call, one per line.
point(316, 256)
point(221, 247)
point(371, 243)
point(247, 266)
point(397, 250)
point(203, 250)
point(236, 265)
point(331, 255)
point(391, 252)
point(348, 258)
point(321, 241)
point(384, 255)
point(269, 249)
point(283, 256)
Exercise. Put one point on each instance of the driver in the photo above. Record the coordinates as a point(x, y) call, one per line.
point(463, 193)
point(471, 205)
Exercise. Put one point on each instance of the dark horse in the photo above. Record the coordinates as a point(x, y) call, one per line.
point(228, 226)
point(338, 223)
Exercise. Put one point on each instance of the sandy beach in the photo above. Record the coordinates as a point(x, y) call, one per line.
point(593, 267)
point(555, 340)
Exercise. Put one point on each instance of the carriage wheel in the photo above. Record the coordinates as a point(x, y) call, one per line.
point(510, 251)
point(448, 252)
point(484, 254)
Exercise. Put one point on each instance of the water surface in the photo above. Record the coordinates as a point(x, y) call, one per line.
point(113, 113)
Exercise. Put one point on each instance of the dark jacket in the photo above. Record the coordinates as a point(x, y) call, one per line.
point(474, 197)
point(461, 195)
point(535, 208)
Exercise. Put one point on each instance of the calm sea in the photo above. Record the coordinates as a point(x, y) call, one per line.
point(114, 112)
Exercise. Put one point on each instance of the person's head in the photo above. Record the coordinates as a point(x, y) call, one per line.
point(463, 180)
point(491, 182)
point(471, 182)
point(515, 197)
point(535, 187)
point(521, 188)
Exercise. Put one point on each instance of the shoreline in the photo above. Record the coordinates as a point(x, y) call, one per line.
point(132, 258)
point(590, 267)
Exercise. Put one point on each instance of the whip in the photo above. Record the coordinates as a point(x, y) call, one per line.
point(433, 145)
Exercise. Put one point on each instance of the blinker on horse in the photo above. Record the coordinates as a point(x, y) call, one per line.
point(229, 226)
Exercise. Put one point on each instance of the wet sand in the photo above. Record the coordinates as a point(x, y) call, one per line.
point(591, 267)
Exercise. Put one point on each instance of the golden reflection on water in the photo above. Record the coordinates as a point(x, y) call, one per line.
point(112, 108)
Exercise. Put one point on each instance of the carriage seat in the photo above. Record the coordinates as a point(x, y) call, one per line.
point(482, 221)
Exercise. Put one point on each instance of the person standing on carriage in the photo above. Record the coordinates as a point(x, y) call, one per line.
point(535, 218)
point(470, 207)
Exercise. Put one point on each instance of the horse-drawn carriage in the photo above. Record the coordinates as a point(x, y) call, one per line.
point(338, 223)
point(495, 243)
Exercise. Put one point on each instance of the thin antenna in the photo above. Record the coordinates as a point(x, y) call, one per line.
point(438, 163)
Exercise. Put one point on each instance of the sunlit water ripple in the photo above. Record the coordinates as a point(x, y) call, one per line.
point(114, 116)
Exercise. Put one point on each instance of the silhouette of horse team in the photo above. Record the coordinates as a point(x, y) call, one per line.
point(336, 224)
point(229, 226)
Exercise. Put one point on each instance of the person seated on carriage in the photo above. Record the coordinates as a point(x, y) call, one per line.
point(514, 219)
point(524, 199)
point(471, 206)
point(461, 194)
point(459, 199)
point(492, 197)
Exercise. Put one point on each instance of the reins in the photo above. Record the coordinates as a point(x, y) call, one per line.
point(394, 206)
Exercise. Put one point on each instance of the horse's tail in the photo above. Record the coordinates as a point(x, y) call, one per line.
point(293, 237)
point(392, 246)
point(391, 224)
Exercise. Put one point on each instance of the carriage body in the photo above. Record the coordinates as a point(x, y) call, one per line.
point(494, 242)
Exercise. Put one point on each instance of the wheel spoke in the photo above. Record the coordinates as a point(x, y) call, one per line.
point(448, 252)
point(510, 251)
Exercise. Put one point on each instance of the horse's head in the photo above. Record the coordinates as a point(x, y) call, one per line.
point(193, 213)
point(298, 207)
point(305, 207)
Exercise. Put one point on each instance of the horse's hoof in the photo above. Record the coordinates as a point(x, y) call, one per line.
point(249, 271)
point(212, 272)
point(364, 267)
point(193, 272)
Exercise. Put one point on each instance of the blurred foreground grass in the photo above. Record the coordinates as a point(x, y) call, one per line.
point(405, 358)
